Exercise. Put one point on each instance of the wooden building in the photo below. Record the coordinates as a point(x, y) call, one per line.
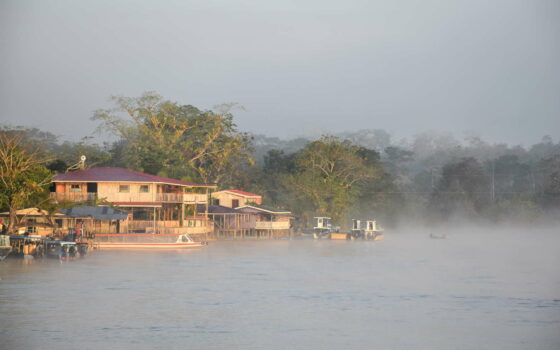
point(33, 221)
point(79, 220)
point(269, 222)
point(154, 203)
point(230, 223)
point(235, 198)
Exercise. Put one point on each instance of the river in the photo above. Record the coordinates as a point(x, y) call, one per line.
point(477, 289)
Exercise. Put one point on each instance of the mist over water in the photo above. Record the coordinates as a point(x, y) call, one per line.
point(477, 289)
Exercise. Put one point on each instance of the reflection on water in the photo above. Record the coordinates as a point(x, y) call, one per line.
point(474, 290)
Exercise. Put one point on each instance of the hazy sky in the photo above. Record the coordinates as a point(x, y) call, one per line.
point(299, 67)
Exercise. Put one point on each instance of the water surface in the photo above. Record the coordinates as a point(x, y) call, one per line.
point(474, 290)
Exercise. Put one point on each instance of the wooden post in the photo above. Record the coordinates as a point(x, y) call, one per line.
point(154, 219)
point(182, 214)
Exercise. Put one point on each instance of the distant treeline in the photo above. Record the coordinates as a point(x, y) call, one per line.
point(433, 178)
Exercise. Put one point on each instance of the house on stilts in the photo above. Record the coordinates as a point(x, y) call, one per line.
point(154, 204)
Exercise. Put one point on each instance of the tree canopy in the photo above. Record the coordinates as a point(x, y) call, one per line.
point(23, 178)
point(162, 137)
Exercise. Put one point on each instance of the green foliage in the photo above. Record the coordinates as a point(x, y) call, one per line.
point(463, 188)
point(179, 141)
point(549, 183)
point(23, 178)
point(329, 175)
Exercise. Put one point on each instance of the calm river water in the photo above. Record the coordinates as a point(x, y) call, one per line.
point(474, 290)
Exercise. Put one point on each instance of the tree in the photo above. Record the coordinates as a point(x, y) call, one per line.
point(181, 141)
point(550, 181)
point(462, 188)
point(327, 176)
point(23, 178)
point(397, 159)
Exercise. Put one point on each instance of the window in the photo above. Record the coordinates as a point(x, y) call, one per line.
point(124, 188)
point(235, 203)
point(75, 188)
point(31, 228)
point(216, 202)
point(144, 188)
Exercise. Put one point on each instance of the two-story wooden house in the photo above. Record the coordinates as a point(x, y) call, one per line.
point(154, 203)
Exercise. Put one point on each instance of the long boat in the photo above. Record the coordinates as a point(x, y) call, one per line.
point(145, 240)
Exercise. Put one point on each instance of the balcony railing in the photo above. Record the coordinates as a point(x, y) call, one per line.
point(272, 225)
point(181, 197)
point(174, 226)
point(189, 198)
point(73, 196)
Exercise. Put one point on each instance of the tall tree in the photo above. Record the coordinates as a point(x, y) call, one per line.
point(464, 187)
point(328, 174)
point(165, 138)
point(23, 178)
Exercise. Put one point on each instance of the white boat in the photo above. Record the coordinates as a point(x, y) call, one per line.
point(366, 229)
point(146, 240)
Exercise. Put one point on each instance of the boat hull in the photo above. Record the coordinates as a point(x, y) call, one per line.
point(5, 251)
point(340, 236)
point(150, 245)
point(145, 241)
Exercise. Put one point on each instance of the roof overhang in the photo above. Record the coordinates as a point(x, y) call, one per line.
point(136, 182)
point(239, 194)
point(269, 211)
point(137, 204)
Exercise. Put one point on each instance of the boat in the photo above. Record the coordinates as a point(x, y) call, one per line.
point(83, 248)
point(366, 229)
point(63, 250)
point(5, 247)
point(27, 246)
point(145, 240)
point(323, 227)
point(443, 236)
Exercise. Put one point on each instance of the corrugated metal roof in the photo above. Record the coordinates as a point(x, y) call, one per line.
point(242, 193)
point(216, 209)
point(106, 174)
point(28, 212)
point(261, 208)
point(97, 213)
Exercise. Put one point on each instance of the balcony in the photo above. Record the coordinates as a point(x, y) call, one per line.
point(272, 225)
point(118, 197)
point(181, 198)
point(73, 196)
point(148, 226)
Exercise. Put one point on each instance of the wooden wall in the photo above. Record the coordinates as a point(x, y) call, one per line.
point(226, 199)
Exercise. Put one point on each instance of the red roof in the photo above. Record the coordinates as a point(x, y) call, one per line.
point(109, 174)
point(243, 193)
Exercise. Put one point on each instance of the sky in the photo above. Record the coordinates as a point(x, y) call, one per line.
point(299, 68)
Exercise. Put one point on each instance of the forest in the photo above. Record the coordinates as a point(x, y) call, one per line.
point(431, 178)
